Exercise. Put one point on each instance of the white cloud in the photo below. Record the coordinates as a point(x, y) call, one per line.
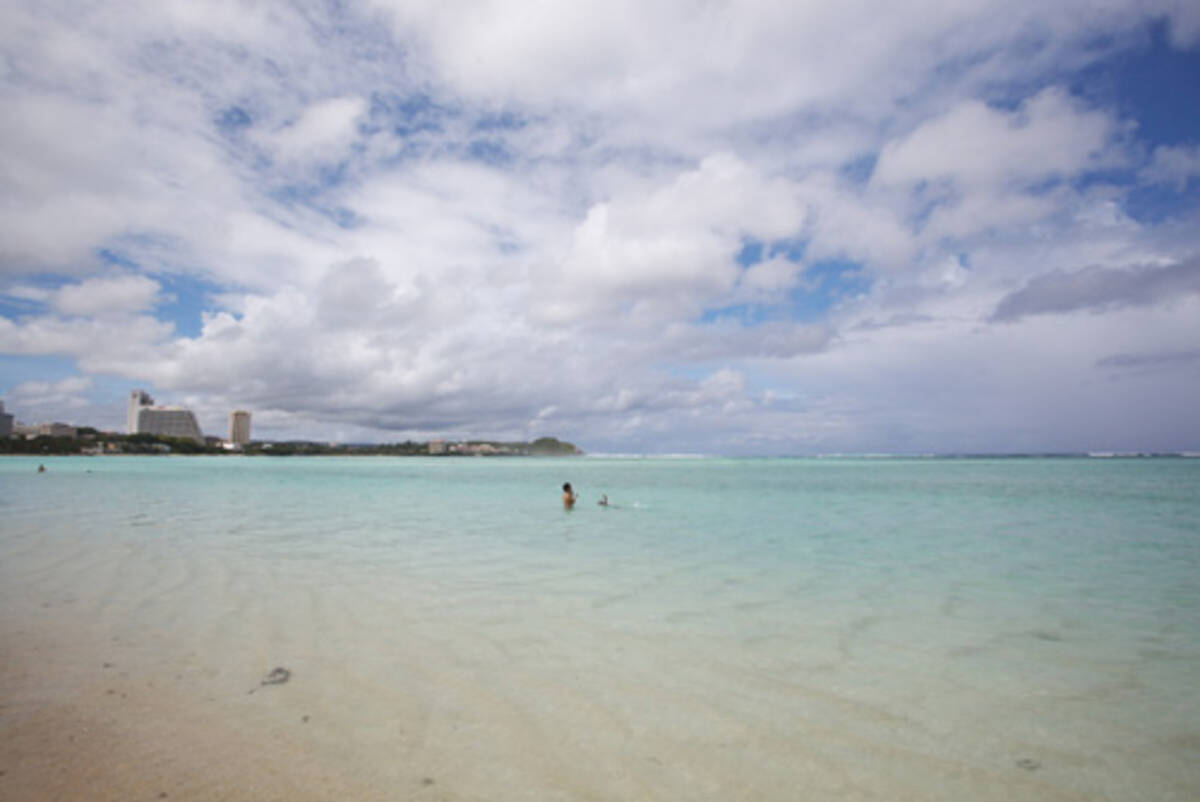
point(669, 249)
point(1174, 165)
point(503, 219)
point(1033, 386)
point(976, 212)
point(27, 293)
point(766, 280)
point(44, 401)
point(972, 145)
point(321, 133)
point(106, 296)
point(673, 61)
point(98, 345)
point(846, 222)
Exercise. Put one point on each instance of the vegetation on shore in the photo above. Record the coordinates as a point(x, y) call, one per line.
point(93, 442)
point(542, 447)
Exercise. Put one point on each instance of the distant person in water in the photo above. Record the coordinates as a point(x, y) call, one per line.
point(41, 469)
point(568, 496)
point(603, 502)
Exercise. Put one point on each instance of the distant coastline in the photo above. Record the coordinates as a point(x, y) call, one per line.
point(1186, 454)
point(90, 442)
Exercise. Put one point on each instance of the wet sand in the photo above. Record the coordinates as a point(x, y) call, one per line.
point(81, 719)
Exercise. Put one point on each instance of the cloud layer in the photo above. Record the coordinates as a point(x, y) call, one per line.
point(721, 227)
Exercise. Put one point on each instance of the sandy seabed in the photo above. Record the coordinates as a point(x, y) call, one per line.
point(133, 668)
point(80, 720)
point(89, 715)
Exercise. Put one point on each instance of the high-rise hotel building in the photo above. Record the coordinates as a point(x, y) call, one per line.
point(239, 427)
point(144, 417)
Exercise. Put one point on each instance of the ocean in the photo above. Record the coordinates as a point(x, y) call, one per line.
point(733, 629)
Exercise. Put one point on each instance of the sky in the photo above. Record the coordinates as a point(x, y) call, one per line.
point(651, 226)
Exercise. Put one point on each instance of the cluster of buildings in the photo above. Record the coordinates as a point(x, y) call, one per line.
point(438, 447)
point(142, 416)
point(9, 428)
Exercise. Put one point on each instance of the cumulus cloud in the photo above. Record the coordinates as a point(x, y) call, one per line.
point(96, 343)
point(846, 222)
point(977, 169)
point(507, 220)
point(108, 295)
point(670, 251)
point(673, 62)
point(1049, 136)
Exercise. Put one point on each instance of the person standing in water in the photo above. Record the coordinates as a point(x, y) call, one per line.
point(568, 496)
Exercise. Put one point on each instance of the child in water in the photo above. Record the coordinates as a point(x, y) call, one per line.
point(568, 496)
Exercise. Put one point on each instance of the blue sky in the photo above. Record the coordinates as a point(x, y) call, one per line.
point(729, 228)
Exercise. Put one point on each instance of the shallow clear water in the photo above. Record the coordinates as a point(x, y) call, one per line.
point(838, 619)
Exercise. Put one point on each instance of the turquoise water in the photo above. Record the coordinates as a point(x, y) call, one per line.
point(862, 628)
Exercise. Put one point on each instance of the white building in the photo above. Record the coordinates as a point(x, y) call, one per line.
point(137, 400)
point(144, 417)
point(239, 427)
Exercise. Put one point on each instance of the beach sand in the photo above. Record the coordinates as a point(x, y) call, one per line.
point(81, 719)
point(92, 716)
